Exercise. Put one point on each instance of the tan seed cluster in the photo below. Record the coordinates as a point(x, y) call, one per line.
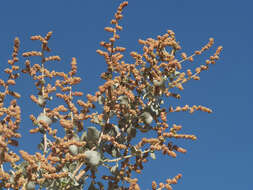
point(131, 106)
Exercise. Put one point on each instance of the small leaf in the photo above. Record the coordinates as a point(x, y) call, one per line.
point(93, 134)
point(101, 99)
point(146, 117)
point(152, 155)
point(114, 169)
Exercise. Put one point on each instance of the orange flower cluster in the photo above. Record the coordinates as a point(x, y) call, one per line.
point(134, 185)
point(154, 52)
point(53, 58)
point(168, 183)
point(55, 175)
point(29, 158)
point(32, 53)
point(179, 136)
point(11, 115)
point(190, 109)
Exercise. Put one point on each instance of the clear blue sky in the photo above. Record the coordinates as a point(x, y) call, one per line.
point(222, 156)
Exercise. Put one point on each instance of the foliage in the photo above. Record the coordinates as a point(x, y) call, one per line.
point(132, 101)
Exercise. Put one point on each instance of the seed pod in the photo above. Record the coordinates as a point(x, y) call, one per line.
point(92, 157)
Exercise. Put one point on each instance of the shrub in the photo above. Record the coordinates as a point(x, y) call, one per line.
point(132, 102)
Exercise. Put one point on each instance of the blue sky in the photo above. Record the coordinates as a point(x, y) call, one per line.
point(222, 156)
